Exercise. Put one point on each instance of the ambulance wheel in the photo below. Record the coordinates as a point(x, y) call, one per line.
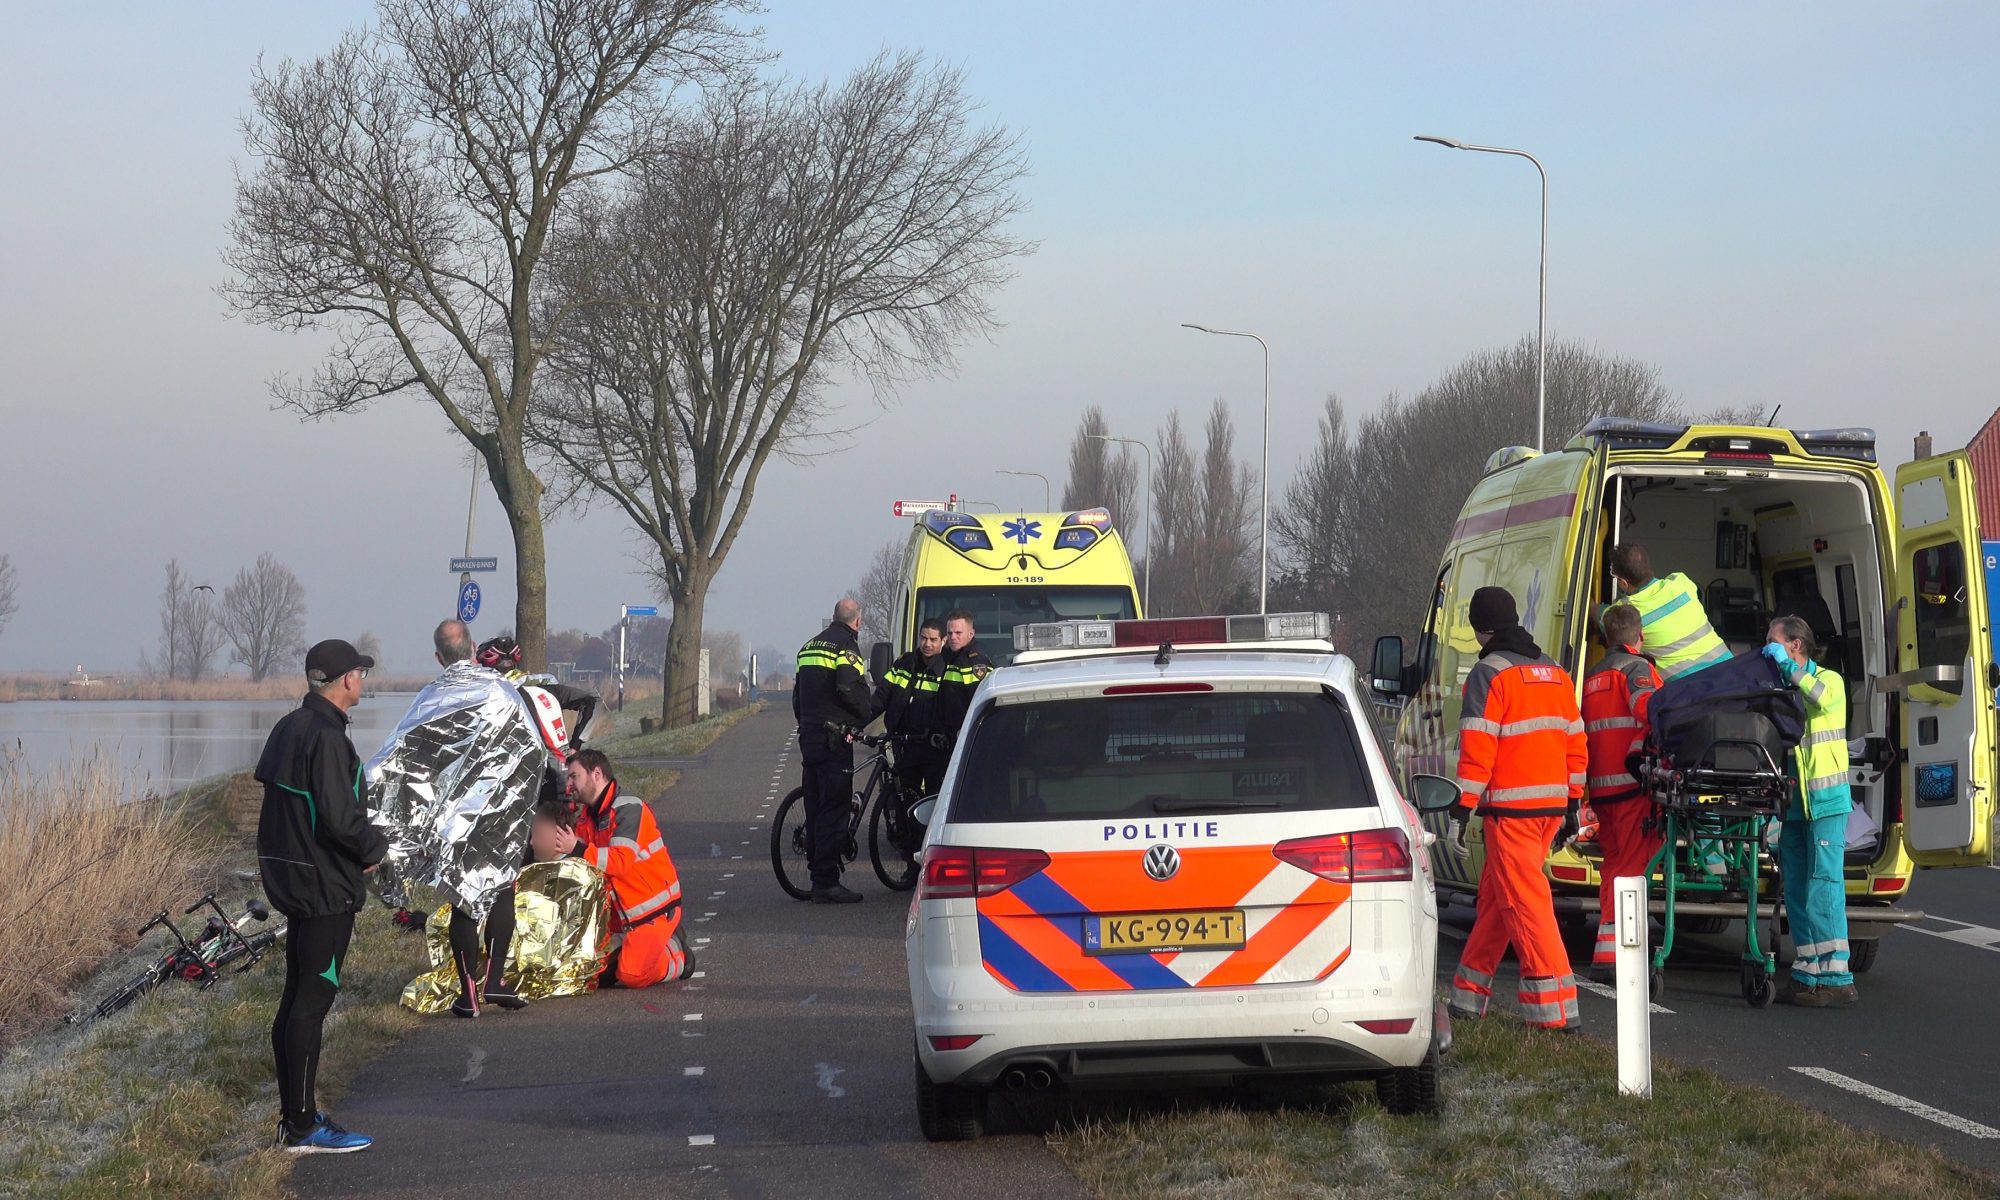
point(1708, 926)
point(947, 1112)
point(1861, 953)
point(1759, 988)
point(1412, 1091)
point(788, 846)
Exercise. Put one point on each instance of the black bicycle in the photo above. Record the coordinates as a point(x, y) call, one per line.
point(200, 959)
point(894, 834)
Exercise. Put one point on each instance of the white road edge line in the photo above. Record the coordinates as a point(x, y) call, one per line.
point(1913, 1107)
point(1979, 937)
point(1611, 993)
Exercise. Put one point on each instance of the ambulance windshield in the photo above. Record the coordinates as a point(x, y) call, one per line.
point(996, 610)
point(1118, 757)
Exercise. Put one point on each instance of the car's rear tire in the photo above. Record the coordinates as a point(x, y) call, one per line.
point(1413, 1091)
point(947, 1112)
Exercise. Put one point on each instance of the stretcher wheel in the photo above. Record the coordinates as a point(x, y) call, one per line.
point(1759, 988)
point(1656, 984)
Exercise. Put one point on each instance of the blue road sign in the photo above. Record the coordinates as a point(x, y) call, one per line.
point(1991, 555)
point(475, 564)
point(468, 601)
point(642, 610)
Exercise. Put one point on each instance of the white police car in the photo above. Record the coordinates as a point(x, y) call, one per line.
point(1171, 852)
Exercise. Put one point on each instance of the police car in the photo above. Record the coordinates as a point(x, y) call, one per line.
point(1170, 852)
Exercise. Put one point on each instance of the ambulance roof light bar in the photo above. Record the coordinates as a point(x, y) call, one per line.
point(1181, 631)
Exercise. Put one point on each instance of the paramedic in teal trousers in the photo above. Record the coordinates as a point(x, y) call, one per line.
point(1813, 840)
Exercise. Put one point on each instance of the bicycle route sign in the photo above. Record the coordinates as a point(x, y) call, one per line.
point(468, 601)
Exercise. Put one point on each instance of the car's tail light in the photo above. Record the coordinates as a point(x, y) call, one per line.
point(1364, 856)
point(1403, 1025)
point(1888, 883)
point(966, 872)
point(959, 1041)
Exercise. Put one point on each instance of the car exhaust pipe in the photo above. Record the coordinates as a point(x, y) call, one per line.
point(1041, 1079)
point(1014, 1079)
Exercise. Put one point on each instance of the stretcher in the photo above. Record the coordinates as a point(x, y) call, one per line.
point(1714, 763)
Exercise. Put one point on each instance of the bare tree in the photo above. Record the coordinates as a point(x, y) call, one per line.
point(1732, 414)
point(1175, 521)
point(881, 592)
point(370, 645)
point(1096, 475)
point(725, 655)
point(10, 584)
point(190, 635)
point(1313, 524)
point(264, 615)
point(1220, 574)
point(783, 233)
point(405, 187)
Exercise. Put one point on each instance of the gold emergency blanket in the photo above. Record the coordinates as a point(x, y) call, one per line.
point(562, 925)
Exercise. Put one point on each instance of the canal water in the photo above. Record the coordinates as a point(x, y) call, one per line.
point(162, 745)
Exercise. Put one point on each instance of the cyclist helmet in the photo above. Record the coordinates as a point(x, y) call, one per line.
point(500, 653)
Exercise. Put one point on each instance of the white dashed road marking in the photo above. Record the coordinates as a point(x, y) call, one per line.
point(690, 1016)
point(694, 1070)
point(1611, 993)
point(1904, 1103)
point(701, 1139)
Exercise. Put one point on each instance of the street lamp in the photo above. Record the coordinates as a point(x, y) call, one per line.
point(1542, 316)
point(1105, 437)
point(1264, 508)
point(1047, 500)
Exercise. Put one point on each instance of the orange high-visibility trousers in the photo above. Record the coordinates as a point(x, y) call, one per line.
point(1628, 846)
point(1515, 905)
point(650, 953)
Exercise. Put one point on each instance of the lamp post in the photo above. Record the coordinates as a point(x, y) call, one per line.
point(1542, 315)
point(1105, 437)
point(1047, 497)
point(1264, 484)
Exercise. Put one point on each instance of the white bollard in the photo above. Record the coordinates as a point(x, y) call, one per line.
point(1635, 1020)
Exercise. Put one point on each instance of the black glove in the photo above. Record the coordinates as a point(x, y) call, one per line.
point(1568, 830)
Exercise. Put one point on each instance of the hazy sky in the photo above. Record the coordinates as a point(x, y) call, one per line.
point(1772, 203)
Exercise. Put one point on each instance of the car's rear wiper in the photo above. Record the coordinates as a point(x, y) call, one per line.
point(1181, 804)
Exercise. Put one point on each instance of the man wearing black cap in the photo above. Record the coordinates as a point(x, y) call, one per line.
point(314, 843)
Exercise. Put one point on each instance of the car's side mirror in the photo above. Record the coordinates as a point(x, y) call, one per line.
point(1386, 675)
point(1433, 793)
point(923, 809)
point(879, 659)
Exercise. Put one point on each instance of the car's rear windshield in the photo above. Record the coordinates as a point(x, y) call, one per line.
point(1106, 757)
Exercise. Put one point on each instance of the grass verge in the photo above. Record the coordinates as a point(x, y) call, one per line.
point(1526, 1114)
point(625, 743)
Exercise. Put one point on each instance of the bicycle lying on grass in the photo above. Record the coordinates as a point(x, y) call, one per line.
point(894, 835)
point(199, 959)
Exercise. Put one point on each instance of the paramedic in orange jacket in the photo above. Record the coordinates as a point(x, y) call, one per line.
point(1616, 696)
point(619, 836)
point(1521, 765)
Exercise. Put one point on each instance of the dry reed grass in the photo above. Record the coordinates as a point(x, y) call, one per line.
point(289, 687)
point(87, 860)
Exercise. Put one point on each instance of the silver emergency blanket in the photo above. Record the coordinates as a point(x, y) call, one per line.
point(454, 788)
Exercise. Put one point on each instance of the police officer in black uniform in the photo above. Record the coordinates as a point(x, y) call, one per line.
point(965, 664)
point(830, 695)
point(909, 699)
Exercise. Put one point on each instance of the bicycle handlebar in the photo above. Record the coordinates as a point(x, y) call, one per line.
point(206, 899)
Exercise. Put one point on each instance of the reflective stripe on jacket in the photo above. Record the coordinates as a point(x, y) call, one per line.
point(831, 684)
point(909, 695)
point(1821, 760)
point(1678, 634)
point(622, 840)
point(1521, 749)
point(1616, 696)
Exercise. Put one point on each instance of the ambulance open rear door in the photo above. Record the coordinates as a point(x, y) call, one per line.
point(1943, 666)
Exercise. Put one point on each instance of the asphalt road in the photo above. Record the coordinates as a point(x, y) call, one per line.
point(784, 1069)
point(1915, 1058)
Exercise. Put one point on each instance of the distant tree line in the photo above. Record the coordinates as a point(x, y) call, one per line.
point(260, 618)
point(1359, 529)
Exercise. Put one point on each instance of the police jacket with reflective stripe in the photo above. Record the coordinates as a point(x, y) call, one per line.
point(908, 695)
point(1678, 634)
point(962, 673)
point(621, 839)
point(1615, 698)
point(1521, 749)
point(313, 836)
point(1821, 759)
point(830, 685)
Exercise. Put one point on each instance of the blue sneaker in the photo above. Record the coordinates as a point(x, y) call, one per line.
point(323, 1138)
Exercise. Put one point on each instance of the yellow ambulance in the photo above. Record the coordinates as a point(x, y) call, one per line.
point(1767, 522)
point(1008, 570)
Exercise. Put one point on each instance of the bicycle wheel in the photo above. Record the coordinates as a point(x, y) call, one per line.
point(788, 846)
point(252, 947)
point(889, 831)
point(146, 981)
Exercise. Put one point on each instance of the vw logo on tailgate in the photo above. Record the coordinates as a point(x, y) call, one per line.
point(1163, 862)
